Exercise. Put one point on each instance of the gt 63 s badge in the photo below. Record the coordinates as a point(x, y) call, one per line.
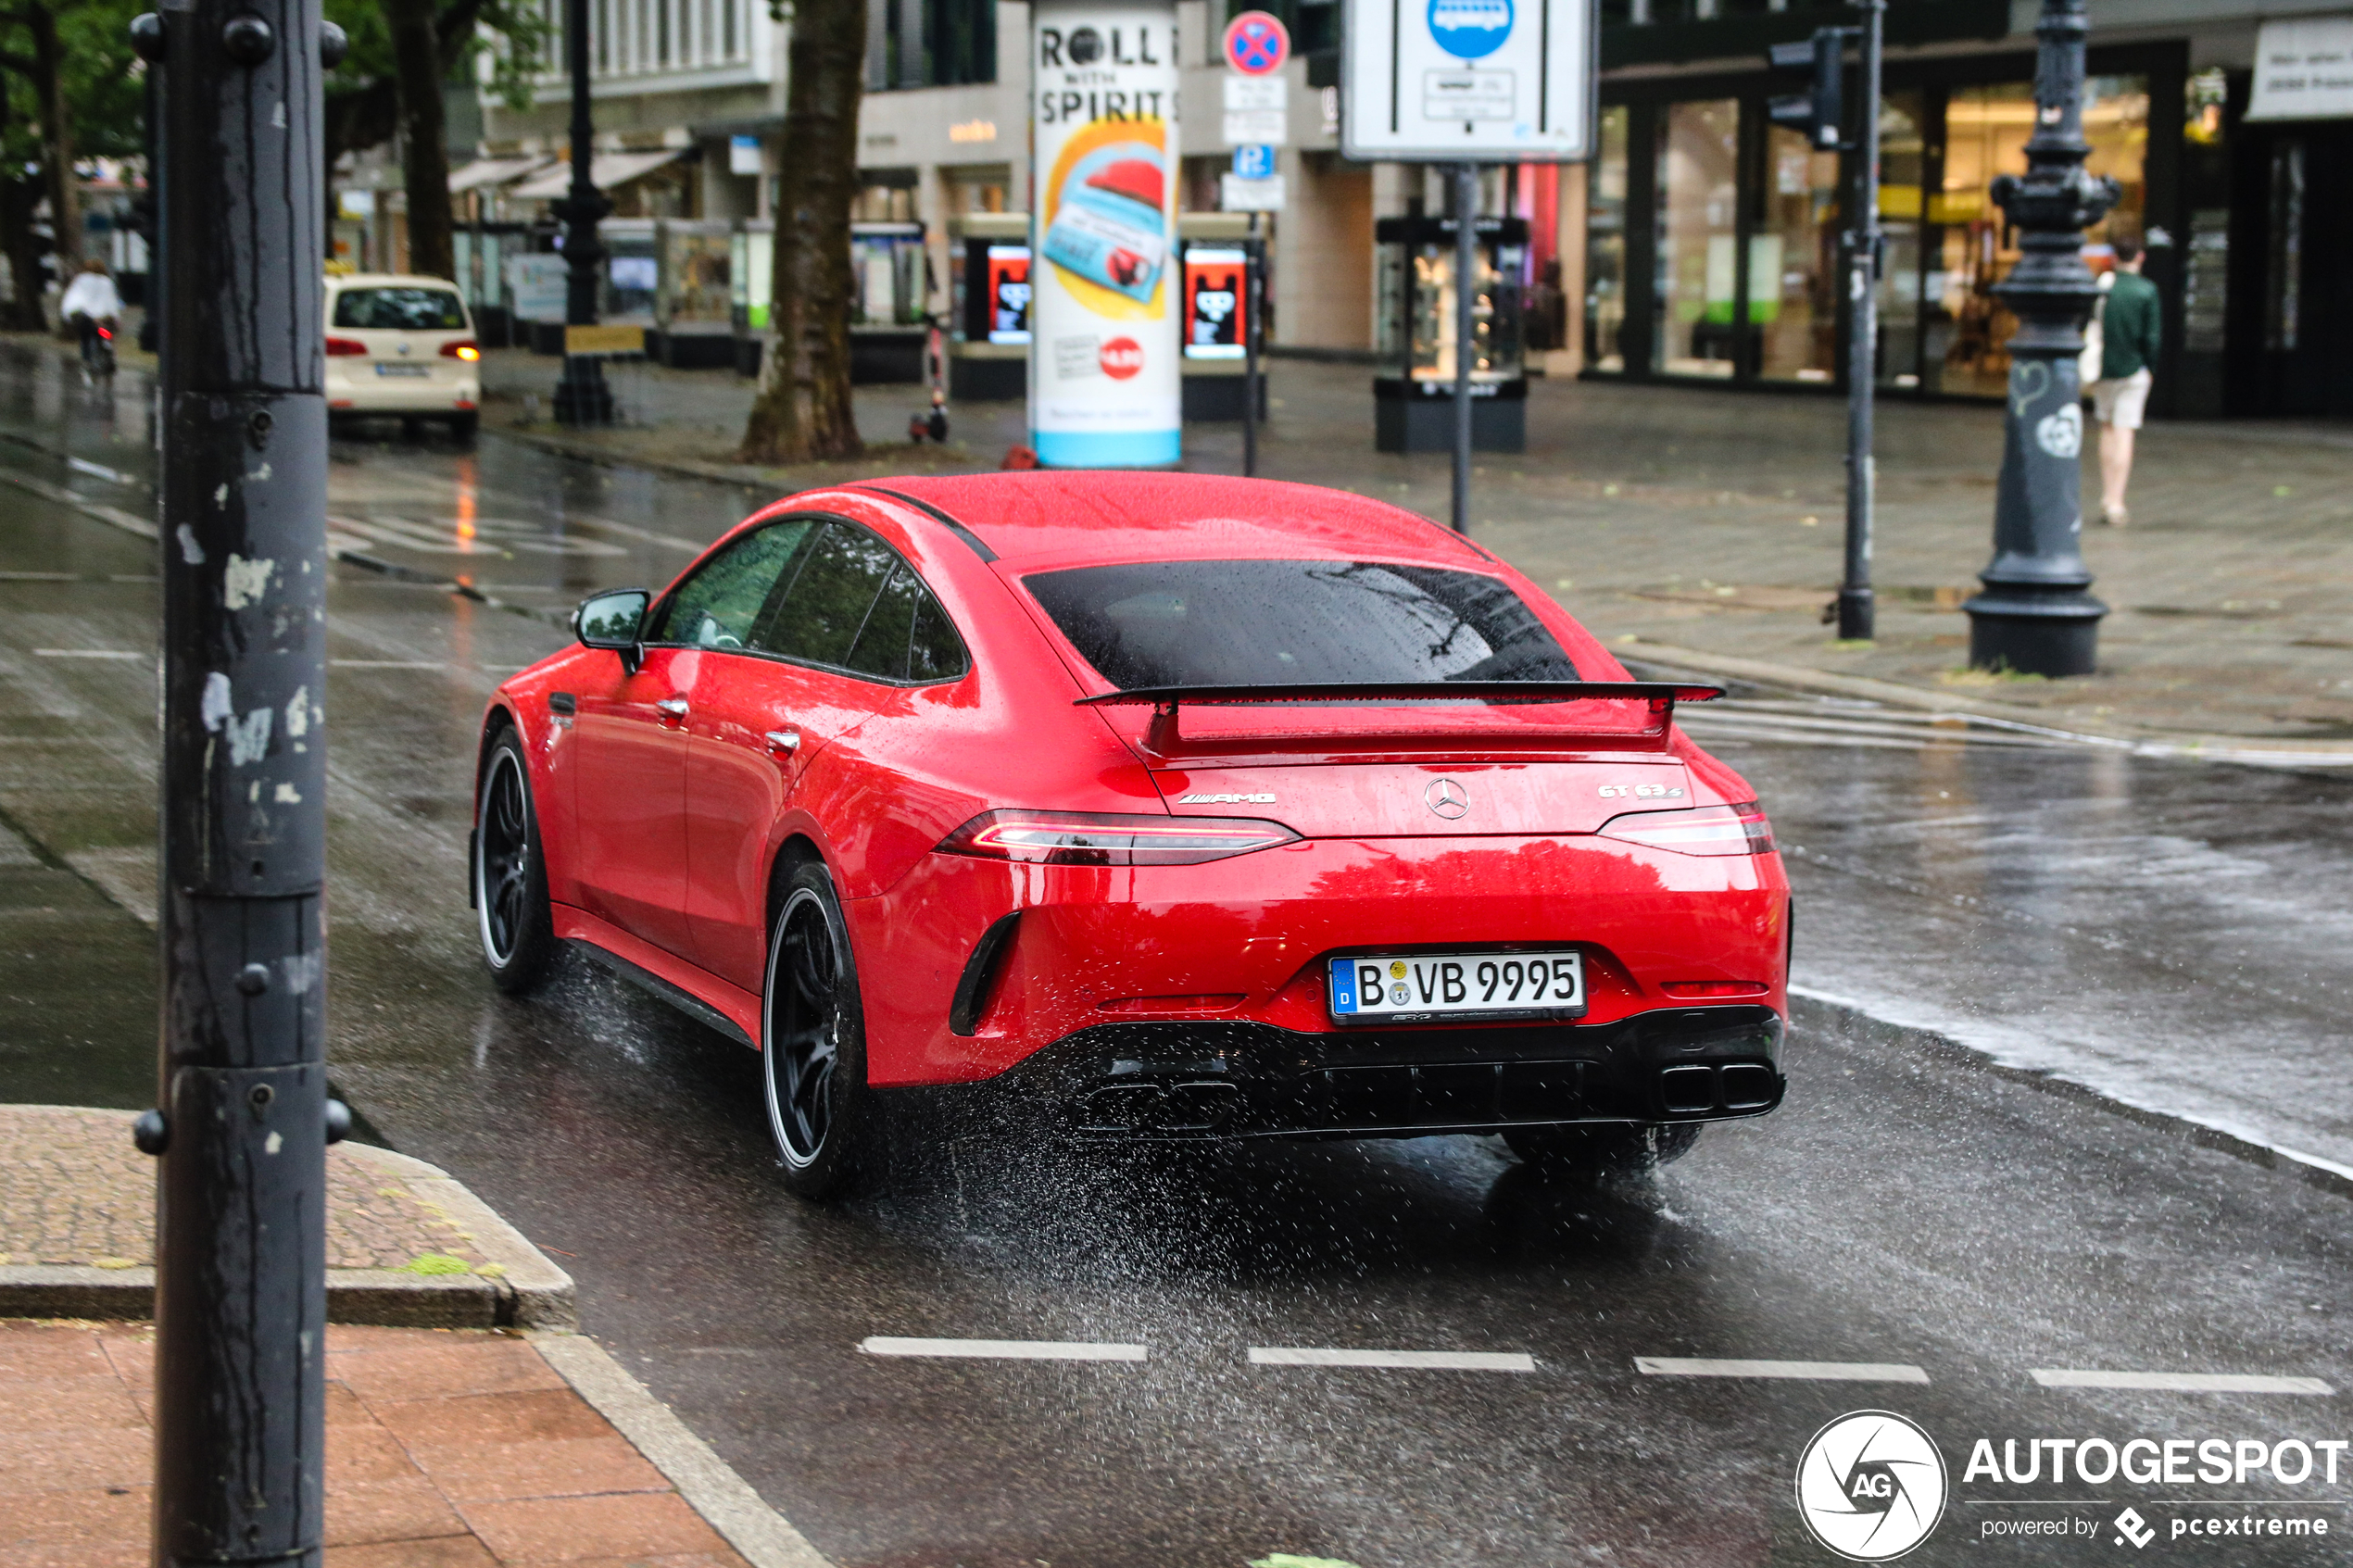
point(1870, 1485)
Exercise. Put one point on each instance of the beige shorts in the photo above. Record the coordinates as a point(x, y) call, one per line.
point(2119, 403)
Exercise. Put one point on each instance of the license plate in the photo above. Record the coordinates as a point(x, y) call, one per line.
point(1416, 987)
point(403, 371)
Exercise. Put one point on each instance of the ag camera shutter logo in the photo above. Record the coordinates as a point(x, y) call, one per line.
point(1871, 1486)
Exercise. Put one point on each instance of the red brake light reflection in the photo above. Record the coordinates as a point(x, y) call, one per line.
point(1093, 838)
point(1701, 830)
point(337, 346)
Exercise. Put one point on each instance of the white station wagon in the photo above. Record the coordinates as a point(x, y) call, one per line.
point(401, 346)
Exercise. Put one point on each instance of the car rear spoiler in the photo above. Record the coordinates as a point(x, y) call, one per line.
point(1164, 739)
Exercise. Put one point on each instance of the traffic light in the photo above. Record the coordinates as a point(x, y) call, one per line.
point(1820, 111)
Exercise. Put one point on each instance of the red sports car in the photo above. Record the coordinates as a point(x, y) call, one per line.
point(1166, 807)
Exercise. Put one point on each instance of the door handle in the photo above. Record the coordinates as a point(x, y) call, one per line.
point(787, 740)
point(672, 708)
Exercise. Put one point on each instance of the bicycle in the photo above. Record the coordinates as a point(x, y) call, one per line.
point(97, 350)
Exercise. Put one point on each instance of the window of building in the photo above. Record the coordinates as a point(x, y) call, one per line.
point(1605, 246)
point(1698, 268)
point(1793, 262)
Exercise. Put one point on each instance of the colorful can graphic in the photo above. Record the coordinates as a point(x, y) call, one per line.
point(1104, 313)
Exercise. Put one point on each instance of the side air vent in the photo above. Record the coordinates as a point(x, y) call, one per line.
point(980, 974)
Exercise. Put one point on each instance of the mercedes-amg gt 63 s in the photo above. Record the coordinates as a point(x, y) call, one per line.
point(1152, 807)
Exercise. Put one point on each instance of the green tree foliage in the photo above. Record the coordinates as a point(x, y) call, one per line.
point(71, 88)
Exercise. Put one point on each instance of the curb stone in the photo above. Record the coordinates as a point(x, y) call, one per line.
point(2138, 739)
point(528, 1291)
point(726, 1502)
point(1841, 1017)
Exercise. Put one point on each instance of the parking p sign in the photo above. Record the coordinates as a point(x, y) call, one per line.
point(1467, 80)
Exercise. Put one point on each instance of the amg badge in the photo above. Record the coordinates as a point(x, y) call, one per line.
point(1264, 800)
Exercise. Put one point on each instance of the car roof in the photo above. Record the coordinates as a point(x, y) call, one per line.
point(387, 280)
point(1052, 519)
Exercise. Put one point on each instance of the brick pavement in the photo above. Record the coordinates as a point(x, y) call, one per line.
point(1690, 519)
point(73, 1190)
point(446, 1448)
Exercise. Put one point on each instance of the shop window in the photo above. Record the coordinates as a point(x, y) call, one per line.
point(1793, 262)
point(2283, 271)
point(1698, 262)
point(1985, 132)
point(1605, 246)
point(1903, 204)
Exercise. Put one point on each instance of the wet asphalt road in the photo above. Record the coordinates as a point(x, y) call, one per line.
point(2172, 933)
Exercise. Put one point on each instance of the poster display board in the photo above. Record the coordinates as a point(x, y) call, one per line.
point(1104, 386)
point(1008, 298)
point(1216, 300)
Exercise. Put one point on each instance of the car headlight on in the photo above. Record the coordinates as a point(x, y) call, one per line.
point(1099, 839)
point(1699, 830)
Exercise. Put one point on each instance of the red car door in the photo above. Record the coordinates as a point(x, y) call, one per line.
point(819, 663)
point(631, 772)
point(634, 738)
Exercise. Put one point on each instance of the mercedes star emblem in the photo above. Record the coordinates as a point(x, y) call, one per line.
point(1447, 797)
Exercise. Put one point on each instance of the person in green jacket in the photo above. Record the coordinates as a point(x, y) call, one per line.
point(2129, 329)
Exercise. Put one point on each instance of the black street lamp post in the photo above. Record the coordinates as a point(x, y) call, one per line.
point(243, 1119)
point(2035, 616)
point(582, 397)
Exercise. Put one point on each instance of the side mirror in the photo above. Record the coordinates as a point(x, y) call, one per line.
point(615, 621)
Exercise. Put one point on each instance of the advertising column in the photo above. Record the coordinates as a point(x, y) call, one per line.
point(1104, 361)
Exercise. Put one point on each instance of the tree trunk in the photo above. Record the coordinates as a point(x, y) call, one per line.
point(18, 196)
point(803, 409)
point(56, 139)
point(418, 70)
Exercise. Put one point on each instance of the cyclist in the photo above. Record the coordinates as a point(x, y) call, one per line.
point(93, 307)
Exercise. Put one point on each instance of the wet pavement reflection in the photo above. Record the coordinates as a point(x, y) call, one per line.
point(2168, 932)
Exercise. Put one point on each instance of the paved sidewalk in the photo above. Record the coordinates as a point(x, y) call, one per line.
point(444, 1449)
point(1697, 528)
point(405, 1243)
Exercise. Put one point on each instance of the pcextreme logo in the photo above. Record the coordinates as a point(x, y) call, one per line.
point(1870, 1485)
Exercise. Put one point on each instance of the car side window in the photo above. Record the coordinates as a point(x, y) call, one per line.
point(881, 648)
point(720, 606)
point(821, 614)
point(934, 651)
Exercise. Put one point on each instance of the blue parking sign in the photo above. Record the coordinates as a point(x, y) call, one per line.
point(1253, 162)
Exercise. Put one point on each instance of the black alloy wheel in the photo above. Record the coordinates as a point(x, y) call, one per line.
point(509, 879)
point(814, 1056)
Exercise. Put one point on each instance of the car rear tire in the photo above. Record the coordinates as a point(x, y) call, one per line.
point(510, 873)
point(1610, 1148)
point(814, 1040)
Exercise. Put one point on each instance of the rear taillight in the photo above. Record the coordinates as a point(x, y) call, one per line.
point(1090, 838)
point(1702, 829)
point(105, 335)
point(465, 350)
point(337, 346)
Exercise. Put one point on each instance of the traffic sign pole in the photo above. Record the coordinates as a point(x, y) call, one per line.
point(1466, 327)
point(1254, 294)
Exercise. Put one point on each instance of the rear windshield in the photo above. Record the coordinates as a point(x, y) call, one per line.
point(400, 310)
point(1275, 623)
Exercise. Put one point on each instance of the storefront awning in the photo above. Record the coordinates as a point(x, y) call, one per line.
point(488, 172)
point(608, 169)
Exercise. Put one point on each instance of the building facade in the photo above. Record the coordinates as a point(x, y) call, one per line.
point(1712, 244)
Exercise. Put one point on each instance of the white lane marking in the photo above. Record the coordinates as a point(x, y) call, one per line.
point(386, 664)
point(1416, 1361)
point(100, 471)
point(1826, 1372)
point(1005, 1350)
point(2181, 1382)
point(88, 653)
point(40, 577)
point(113, 517)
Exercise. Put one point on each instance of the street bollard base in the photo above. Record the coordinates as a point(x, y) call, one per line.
point(2054, 638)
point(581, 395)
point(1857, 615)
